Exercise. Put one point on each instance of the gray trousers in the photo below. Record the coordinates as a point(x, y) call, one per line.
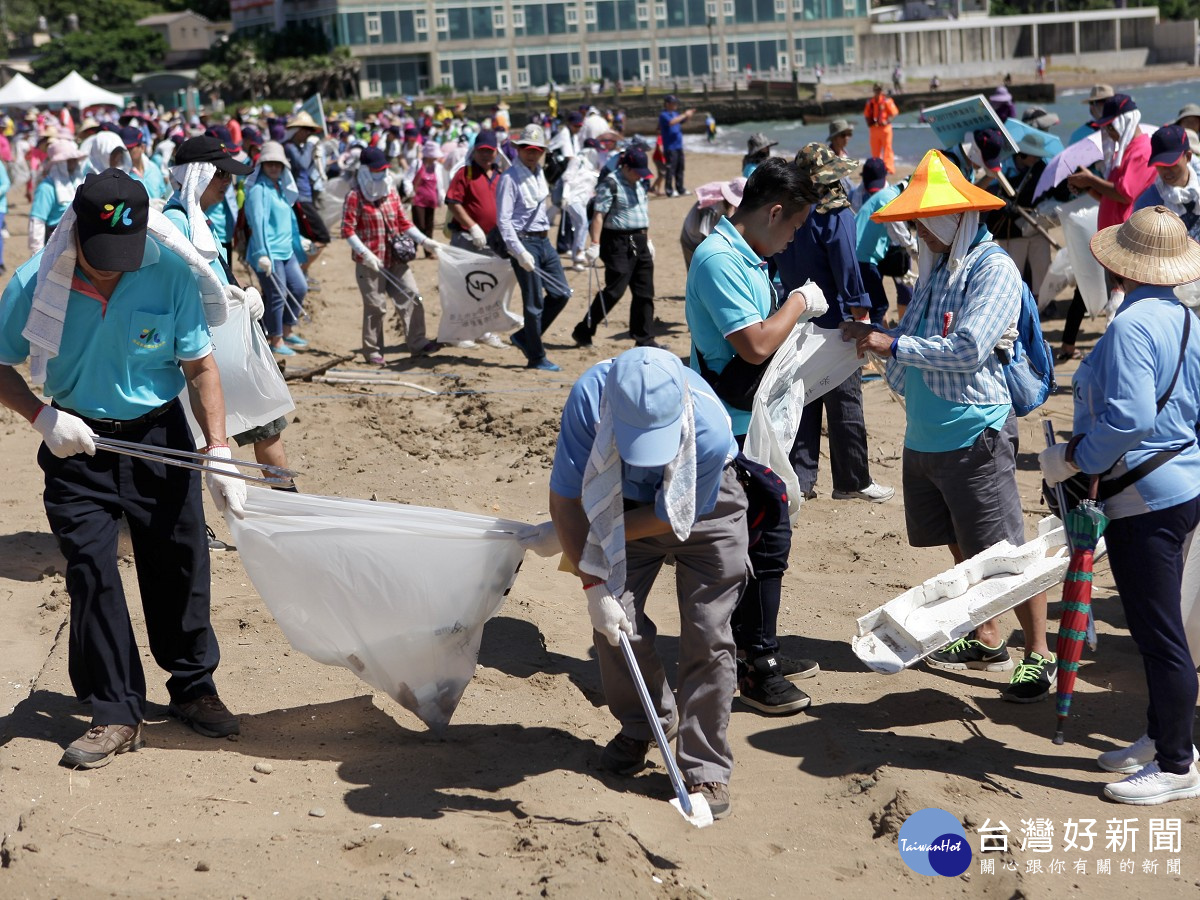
point(711, 570)
point(377, 292)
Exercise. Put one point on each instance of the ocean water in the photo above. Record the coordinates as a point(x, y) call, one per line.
point(1159, 104)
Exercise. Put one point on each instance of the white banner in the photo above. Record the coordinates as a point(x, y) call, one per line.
point(474, 289)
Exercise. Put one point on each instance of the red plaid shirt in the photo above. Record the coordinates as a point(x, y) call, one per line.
point(373, 222)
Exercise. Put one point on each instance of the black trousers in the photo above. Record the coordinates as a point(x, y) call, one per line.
point(85, 497)
point(627, 265)
point(674, 180)
point(847, 438)
point(755, 618)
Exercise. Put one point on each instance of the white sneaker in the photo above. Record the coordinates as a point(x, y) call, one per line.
point(1150, 786)
point(1126, 760)
point(875, 492)
point(465, 345)
point(493, 340)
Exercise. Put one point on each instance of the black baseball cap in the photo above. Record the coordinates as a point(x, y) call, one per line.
point(209, 149)
point(991, 147)
point(874, 174)
point(1116, 105)
point(111, 211)
point(635, 158)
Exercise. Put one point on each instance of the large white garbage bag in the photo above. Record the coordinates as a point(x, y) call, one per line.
point(474, 289)
point(396, 594)
point(1078, 219)
point(811, 362)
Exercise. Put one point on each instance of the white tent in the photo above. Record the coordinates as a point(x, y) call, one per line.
point(20, 91)
point(78, 91)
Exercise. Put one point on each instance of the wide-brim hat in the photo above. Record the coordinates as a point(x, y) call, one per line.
point(840, 126)
point(272, 151)
point(732, 191)
point(1037, 117)
point(936, 188)
point(759, 142)
point(302, 119)
point(63, 150)
point(1151, 247)
point(1099, 92)
point(1189, 110)
point(531, 136)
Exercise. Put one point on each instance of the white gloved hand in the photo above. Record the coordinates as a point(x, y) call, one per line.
point(1005, 344)
point(607, 614)
point(592, 253)
point(254, 303)
point(478, 238)
point(431, 246)
point(542, 539)
point(306, 245)
point(525, 260)
point(263, 264)
point(227, 492)
point(815, 304)
point(64, 434)
point(650, 248)
point(312, 139)
point(371, 261)
point(1055, 467)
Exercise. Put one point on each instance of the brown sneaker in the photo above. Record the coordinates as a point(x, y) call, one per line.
point(206, 715)
point(100, 744)
point(717, 795)
point(624, 755)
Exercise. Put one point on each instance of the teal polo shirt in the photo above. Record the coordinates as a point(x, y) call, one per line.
point(152, 179)
point(178, 216)
point(872, 237)
point(118, 359)
point(46, 206)
point(728, 289)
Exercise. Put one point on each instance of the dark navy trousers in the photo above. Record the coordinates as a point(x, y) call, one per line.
point(755, 618)
point(85, 497)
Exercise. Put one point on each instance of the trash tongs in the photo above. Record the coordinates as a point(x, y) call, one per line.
point(199, 462)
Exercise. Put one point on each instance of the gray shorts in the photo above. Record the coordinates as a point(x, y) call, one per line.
point(967, 497)
point(261, 432)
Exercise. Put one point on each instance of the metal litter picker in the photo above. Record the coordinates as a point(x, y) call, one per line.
point(199, 462)
point(692, 807)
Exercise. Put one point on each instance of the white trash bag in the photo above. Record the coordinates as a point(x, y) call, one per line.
point(397, 594)
point(809, 364)
point(474, 289)
point(1078, 219)
point(1059, 277)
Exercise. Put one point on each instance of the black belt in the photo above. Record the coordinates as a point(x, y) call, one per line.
point(620, 232)
point(121, 426)
point(537, 234)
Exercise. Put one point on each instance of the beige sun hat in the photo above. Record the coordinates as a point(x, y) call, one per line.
point(1099, 92)
point(272, 151)
point(1151, 247)
point(302, 119)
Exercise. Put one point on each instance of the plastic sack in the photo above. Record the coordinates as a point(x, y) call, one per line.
point(1059, 277)
point(1078, 219)
point(397, 594)
point(333, 201)
point(1189, 294)
point(811, 362)
point(474, 290)
point(255, 392)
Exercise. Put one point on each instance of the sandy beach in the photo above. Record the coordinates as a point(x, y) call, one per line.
point(361, 801)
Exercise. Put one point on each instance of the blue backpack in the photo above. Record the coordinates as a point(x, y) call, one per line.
point(1029, 373)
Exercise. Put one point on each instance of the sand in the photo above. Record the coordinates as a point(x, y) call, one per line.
point(512, 802)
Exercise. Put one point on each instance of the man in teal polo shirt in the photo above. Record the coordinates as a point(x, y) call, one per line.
point(115, 328)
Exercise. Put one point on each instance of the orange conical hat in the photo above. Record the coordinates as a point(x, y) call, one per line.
point(937, 188)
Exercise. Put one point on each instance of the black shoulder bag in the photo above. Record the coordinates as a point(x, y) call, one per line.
point(738, 382)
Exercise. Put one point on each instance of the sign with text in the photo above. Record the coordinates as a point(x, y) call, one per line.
point(950, 121)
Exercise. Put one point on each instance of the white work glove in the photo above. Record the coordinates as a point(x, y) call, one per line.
point(254, 303)
point(432, 246)
point(1055, 467)
point(815, 304)
point(306, 245)
point(525, 260)
point(478, 238)
point(64, 434)
point(1005, 344)
point(263, 264)
point(607, 614)
point(227, 492)
point(592, 253)
point(312, 139)
point(371, 261)
point(542, 539)
point(650, 247)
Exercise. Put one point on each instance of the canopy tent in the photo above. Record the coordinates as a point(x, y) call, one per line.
point(78, 91)
point(20, 91)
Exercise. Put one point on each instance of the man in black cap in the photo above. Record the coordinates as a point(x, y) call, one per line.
point(113, 340)
point(619, 238)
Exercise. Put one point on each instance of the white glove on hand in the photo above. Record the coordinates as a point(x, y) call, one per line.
point(371, 261)
point(650, 248)
point(306, 245)
point(312, 139)
point(542, 539)
point(1055, 467)
point(431, 246)
point(525, 260)
point(592, 253)
point(263, 264)
point(608, 616)
point(1005, 344)
point(815, 304)
point(227, 492)
point(64, 434)
point(478, 238)
point(254, 303)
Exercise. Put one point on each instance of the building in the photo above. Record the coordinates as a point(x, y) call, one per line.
point(188, 35)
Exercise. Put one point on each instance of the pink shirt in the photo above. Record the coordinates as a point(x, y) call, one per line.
point(425, 187)
point(1131, 177)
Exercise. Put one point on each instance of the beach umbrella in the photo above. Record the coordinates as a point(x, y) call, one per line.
point(1032, 140)
point(1084, 525)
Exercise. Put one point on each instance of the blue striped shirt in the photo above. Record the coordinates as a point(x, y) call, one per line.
point(961, 366)
point(623, 205)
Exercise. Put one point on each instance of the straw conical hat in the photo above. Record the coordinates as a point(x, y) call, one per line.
point(302, 119)
point(937, 188)
point(1152, 247)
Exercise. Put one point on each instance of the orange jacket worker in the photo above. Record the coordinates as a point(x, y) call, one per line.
point(879, 113)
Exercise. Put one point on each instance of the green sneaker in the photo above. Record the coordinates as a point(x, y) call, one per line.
point(969, 653)
point(1031, 682)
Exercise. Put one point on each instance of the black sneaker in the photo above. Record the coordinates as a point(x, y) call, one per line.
point(764, 688)
point(579, 334)
point(969, 653)
point(1031, 682)
point(624, 755)
point(797, 669)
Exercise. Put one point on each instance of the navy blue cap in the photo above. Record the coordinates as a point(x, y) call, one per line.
point(1168, 144)
point(373, 158)
point(132, 137)
point(670, 98)
point(1116, 105)
point(991, 146)
point(574, 118)
point(635, 158)
point(221, 133)
point(486, 138)
point(874, 174)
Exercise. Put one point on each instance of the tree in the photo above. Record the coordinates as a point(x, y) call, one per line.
point(109, 57)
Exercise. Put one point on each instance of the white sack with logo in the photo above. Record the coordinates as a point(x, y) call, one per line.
point(811, 362)
point(397, 594)
point(474, 289)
